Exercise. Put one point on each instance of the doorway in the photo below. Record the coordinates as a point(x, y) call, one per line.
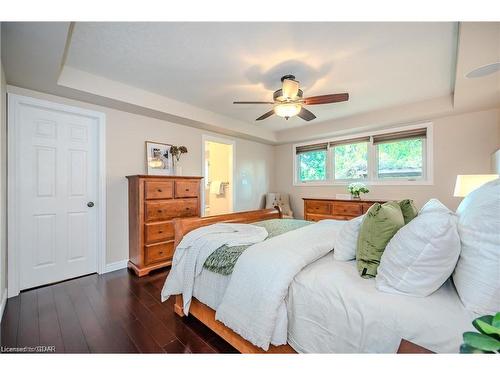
point(56, 192)
point(218, 164)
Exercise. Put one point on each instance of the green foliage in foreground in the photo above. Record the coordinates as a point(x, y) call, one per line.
point(487, 340)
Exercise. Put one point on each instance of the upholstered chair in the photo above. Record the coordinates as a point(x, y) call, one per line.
point(282, 200)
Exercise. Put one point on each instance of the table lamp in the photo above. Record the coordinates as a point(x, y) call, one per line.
point(468, 182)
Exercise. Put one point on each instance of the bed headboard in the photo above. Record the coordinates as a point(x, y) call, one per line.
point(183, 226)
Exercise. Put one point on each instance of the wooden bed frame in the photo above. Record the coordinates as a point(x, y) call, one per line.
point(202, 312)
point(206, 315)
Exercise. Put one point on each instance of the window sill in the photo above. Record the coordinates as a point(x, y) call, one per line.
point(367, 183)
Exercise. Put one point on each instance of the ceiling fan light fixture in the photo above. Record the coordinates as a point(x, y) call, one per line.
point(287, 110)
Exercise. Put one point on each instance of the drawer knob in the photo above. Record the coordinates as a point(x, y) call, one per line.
point(159, 211)
point(160, 231)
point(161, 252)
point(187, 208)
point(159, 190)
point(187, 189)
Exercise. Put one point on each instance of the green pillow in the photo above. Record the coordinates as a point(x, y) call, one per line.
point(380, 223)
point(408, 209)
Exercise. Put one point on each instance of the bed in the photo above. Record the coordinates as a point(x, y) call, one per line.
point(325, 289)
point(333, 310)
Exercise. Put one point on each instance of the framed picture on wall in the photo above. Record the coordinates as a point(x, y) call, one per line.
point(159, 161)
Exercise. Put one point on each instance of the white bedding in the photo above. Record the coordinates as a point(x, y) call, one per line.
point(254, 302)
point(333, 310)
point(194, 249)
point(209, 288)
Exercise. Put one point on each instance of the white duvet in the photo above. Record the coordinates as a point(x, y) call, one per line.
point(255, 299)
point(196, 247)
point(333, 310)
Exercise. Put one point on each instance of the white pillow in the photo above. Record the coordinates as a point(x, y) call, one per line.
point(477, 275)
point(344, 248)
point(422, 255)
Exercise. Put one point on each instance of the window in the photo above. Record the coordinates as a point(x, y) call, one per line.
point(377, 158)
point(312, 162)
point(400, 155)
point(350, 160)
point(400, 159)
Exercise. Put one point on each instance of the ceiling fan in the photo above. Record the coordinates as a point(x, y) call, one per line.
point(289, 101)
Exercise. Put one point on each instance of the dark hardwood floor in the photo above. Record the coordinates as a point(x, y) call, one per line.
point(112, 313)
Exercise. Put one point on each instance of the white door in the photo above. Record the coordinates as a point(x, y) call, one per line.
point(57, 188)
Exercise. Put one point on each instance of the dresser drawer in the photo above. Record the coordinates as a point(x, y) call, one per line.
point(158, 189)
point(158, 232)
point(186, 189)
point(158, 253)
point(168, 209)
point(350, 209)
point(318, 207)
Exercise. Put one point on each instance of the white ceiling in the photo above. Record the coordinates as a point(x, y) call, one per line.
point(190, 73)
point(208, 65)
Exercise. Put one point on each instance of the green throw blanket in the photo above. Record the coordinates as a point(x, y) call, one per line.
point(223, 259)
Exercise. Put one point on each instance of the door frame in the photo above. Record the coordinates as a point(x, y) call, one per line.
point(14, 103)
point(217, 139)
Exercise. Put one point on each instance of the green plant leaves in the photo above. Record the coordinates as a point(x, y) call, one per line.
point(481, 341)
point(485, 325)
point(496, 320)
point(467, 349)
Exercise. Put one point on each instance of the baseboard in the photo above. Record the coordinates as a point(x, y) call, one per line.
point(115, 266)
point(3, 302)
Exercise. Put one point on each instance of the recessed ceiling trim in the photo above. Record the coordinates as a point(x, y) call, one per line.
point(97, 85)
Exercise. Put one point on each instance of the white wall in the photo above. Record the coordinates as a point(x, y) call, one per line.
point(463, 144)
point(125, 137)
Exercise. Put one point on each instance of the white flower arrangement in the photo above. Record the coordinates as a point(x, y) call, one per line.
point(356, 188)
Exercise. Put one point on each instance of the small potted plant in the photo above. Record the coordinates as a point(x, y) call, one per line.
point(356, 188)
point(177, 152)
point(487, 340)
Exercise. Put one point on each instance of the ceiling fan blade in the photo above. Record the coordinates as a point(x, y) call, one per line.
point(265, 115)
point(325, 99)
point(290, 88)
point(304, 114)
point(253, 102)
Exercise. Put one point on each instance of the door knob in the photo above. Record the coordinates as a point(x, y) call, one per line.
point(90, 204)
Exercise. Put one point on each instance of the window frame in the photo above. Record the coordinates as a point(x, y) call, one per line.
point(309, 182)
point(347, 181)
point(413, 179)
point(372, 179)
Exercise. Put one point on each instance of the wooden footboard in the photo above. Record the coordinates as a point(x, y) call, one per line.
point(206, 315)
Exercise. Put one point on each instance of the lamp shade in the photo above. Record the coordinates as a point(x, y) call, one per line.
point(287, 109)
point(469, 182)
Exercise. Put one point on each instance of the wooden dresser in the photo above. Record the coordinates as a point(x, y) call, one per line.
point(340, 209)
point(153, 202)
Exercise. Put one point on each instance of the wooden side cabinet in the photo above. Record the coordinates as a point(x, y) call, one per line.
point(339, 209)
point(153, 202)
